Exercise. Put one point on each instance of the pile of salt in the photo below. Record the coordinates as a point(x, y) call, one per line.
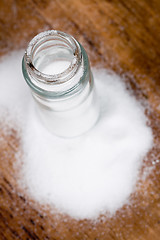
point(88, 175)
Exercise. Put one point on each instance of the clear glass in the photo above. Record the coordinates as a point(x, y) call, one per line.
point(56, 68)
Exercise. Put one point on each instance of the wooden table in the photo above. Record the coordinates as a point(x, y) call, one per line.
point(123, 35)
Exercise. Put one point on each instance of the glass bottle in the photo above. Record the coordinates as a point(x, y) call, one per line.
point(57, 70)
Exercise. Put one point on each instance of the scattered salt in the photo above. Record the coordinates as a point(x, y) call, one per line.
point(88, 175)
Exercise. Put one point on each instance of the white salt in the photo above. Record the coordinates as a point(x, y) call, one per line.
point(87, 175)
point(55, 67)
point(75, 114)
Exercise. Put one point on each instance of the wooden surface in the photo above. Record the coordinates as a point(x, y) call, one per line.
point(123, 35)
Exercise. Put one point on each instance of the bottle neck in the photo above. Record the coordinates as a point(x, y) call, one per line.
point(55, 65)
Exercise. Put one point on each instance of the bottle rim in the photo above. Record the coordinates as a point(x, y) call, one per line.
point(30, 71)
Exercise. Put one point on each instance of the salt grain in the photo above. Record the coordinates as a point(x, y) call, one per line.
point(88, 175)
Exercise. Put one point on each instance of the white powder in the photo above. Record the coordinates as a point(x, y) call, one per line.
point(71, 116)
point(55, 67)
point(87, 175)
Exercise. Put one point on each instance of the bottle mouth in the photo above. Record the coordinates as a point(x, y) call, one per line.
point(53, 48)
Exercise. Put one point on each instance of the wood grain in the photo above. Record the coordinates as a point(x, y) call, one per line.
point(123, 36)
